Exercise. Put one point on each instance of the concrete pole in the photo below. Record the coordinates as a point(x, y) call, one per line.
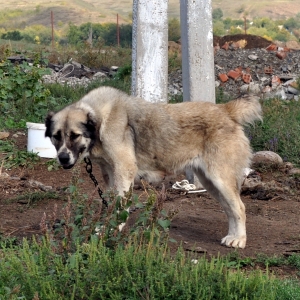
point(198, 79)
point(150, 50)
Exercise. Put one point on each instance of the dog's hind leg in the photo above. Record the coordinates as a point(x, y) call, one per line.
point(225, 189)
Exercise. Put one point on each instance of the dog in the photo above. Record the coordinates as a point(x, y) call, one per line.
point(130, 138)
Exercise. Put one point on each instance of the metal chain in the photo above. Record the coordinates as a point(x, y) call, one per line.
point(89, 169)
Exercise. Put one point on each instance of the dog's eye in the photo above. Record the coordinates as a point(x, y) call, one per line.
point(74, 136)
point(57, 136)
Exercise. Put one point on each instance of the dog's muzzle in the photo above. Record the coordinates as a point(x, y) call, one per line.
point(64, 160)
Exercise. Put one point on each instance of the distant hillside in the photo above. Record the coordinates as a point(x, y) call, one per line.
point(82, 11)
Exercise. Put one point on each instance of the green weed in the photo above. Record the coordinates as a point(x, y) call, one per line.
point(279, 130)
point(13, 157)
point(33, 197)
point(52, 165)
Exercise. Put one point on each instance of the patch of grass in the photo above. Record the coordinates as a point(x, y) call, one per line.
point(279, 131)
point(86, 252)
point(34, 197)
point(53, 165)
point(13, 157)
point(8, 242)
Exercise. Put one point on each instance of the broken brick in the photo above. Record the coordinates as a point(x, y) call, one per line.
point(233, 74)
point(268, 70)
point(223, 77)
point(272, 47)
point(225, 46)
point(246, 78)
point(275, 80)
point(281, 54)
point(239, 69)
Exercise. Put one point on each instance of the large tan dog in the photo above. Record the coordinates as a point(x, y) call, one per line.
point(131, 138)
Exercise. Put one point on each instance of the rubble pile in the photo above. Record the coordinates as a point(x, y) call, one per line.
point(267, 72)
point(243, 64)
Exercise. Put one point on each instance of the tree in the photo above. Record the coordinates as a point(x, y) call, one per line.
point(291, 23)
point(218, 28)
point(217, 14)
point(12, 35)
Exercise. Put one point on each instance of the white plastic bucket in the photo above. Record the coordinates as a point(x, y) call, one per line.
point(37, 142)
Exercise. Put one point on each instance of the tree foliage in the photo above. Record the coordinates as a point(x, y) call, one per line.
point(217, 14)
point(106, 33)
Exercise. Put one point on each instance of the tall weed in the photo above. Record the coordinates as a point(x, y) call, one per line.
point(279, 131)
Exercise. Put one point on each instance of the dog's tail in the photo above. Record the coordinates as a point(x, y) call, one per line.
point(245, 110)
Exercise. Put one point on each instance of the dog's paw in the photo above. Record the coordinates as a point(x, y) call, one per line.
point(233, 241)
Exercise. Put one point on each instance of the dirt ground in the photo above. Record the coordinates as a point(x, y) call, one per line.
point(273, 225)
point(253, 41)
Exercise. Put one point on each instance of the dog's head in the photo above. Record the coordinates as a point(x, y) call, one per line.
point(72, 132)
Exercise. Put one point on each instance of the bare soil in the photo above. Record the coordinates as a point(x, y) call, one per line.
point(273, 225)
point(253, 41)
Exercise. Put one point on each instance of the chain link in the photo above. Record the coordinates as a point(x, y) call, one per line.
point(89, 169)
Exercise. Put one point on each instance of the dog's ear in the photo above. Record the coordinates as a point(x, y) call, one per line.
point(91, 122)
point(48, 123)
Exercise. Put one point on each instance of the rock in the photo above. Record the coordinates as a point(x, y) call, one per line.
point(266, 158)
point(293, 45)
point(294, 171)
point(4, 135)
point(253, 57)
point(254, 88)
point(281, 94)
point(293, 91)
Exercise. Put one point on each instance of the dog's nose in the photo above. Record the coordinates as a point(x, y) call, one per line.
point(64, 158)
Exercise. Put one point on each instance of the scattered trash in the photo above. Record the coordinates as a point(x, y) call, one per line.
point(185, 186)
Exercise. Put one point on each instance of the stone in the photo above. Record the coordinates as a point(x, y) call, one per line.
point(281, 94)
point(4, 135)
point(294, 171)
point(253, 57)
point(254, 88)
point(266, 158)
point(281, 54)
point(293, 45)
point(293, 91)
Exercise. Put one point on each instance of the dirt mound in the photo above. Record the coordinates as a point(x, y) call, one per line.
point(253, 41)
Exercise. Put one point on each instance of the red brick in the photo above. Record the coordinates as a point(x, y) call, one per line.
point(233, 74)
point(272, 47)
point(268, 70)
point(276, 80)
point(239, 69)
point(246, 77)
point(223, 77)
point(225, 46)
point(281, 54)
